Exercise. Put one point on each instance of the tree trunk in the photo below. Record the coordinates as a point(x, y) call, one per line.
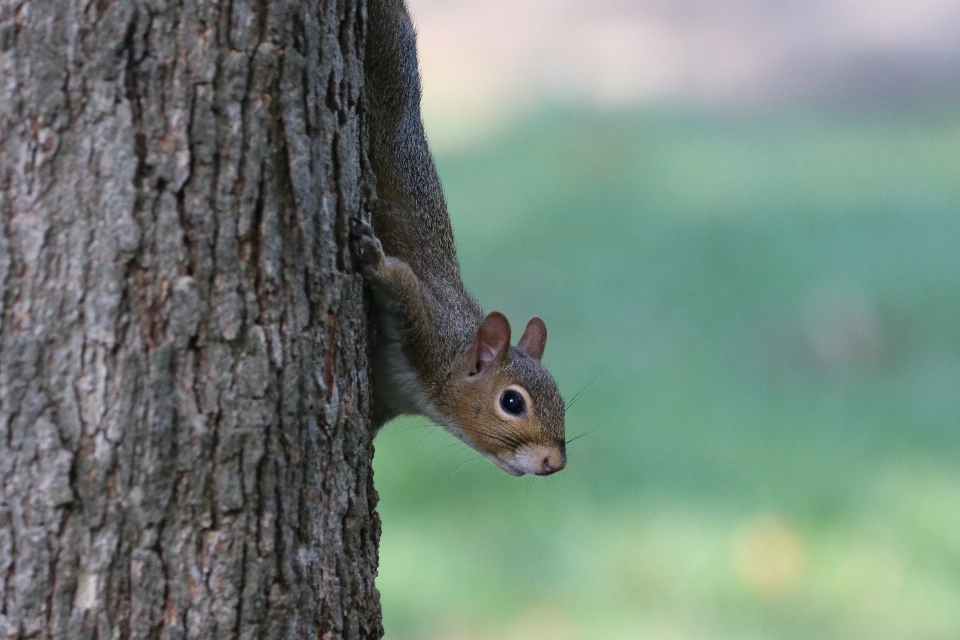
point(183, 372)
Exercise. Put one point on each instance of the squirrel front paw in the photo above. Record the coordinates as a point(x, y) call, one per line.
point(369, 249)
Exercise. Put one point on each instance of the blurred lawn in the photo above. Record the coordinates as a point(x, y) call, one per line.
point(765, 314)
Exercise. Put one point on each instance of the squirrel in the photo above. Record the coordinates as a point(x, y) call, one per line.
point(435, 353)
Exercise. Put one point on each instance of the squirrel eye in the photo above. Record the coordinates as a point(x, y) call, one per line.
point(512, 402)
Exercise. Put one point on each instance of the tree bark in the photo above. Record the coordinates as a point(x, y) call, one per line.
point(184, 395)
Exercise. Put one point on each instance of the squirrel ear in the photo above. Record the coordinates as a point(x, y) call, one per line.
point(534, 338)
point(493, 339)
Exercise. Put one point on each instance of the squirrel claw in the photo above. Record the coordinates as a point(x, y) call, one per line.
point(369, 249)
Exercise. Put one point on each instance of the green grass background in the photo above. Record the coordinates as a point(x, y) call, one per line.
point(763, 314)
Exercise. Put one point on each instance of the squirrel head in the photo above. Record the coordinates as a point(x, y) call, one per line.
point(508, 407)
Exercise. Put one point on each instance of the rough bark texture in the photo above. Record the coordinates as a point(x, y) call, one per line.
point(183, 387)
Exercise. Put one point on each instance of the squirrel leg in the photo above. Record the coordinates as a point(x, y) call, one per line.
point(405, 313)
point(389, 275)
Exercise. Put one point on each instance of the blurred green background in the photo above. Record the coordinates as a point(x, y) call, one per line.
point(759, 313)
point(743, 231)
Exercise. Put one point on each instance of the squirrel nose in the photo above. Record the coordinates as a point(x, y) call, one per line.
point(551, 465)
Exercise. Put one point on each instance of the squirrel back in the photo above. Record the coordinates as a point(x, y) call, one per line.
point(411, 217)
point(435, 353)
